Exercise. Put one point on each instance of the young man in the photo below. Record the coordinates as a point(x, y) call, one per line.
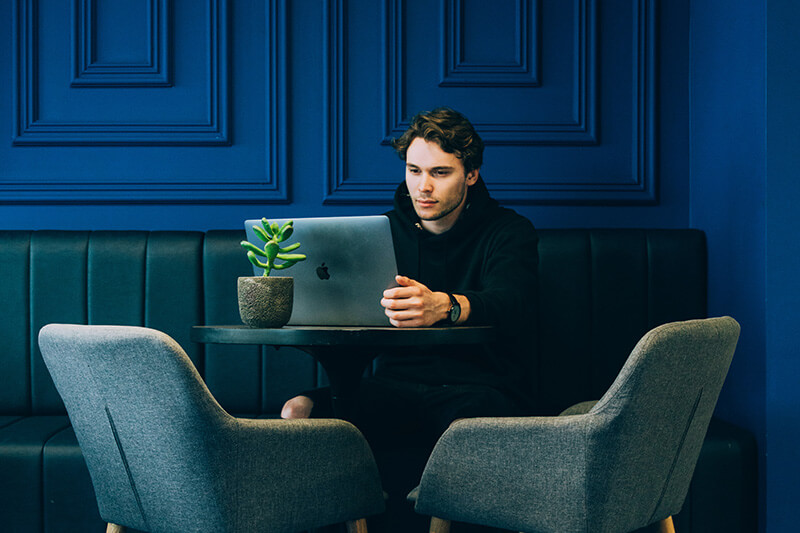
point(463, 260)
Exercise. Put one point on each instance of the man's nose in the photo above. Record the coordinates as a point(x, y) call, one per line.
point(425, 183)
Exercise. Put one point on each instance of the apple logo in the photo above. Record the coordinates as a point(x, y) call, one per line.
point(322, 272)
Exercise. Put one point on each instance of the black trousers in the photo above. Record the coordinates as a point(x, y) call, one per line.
point(402, 421)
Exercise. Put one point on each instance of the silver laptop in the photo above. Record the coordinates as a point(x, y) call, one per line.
point(350, 262)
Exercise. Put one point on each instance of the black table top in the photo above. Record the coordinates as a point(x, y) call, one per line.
point(342, 335)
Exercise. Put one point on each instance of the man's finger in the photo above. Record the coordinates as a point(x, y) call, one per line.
point(403, 313)
point(406, 323)
point(401, 292)
point(405, 281)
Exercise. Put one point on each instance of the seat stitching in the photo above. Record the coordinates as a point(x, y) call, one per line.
point(677, 454)
point(127, 467)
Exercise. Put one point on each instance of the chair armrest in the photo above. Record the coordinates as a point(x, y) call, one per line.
point(510, 472)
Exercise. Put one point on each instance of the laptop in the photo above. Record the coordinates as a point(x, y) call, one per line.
point(350, 262)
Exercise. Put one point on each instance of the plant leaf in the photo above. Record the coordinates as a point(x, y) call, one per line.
point(287, 264)
point(286, 224)
point(267, 227)
point(272, 249)
point(253, 248)
point(292, 257)
point(253, 259)
point(291, 247)
point(285, 234)
point(263, 235)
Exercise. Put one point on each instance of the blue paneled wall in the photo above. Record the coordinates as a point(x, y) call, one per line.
point(197, 114)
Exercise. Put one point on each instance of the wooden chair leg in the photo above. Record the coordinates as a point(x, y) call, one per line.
point(114, 528)
point(666, 526)
point(439, 525)
point(357, 526)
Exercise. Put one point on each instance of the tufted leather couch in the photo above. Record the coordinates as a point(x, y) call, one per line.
point(599, 291)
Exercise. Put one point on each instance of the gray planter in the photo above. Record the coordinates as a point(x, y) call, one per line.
point(266, 302)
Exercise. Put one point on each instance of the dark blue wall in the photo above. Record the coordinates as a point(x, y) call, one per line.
point(745, 78)
point(727, 188)
point(189, 114)
point(782, 265)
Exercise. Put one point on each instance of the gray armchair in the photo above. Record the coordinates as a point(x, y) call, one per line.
point(615, 465)
point(164, 456)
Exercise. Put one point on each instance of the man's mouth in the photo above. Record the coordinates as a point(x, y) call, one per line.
point(425, 202)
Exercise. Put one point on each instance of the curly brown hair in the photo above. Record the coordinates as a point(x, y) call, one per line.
point(448, 128)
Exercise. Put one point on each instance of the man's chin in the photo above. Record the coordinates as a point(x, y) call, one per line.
point(428, 217)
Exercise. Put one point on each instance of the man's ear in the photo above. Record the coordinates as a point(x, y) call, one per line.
point(472, 176)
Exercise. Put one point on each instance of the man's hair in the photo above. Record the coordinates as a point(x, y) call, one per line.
point(450, 130)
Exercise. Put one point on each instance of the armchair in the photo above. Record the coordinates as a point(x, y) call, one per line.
point(164, 456)
point(615, 465)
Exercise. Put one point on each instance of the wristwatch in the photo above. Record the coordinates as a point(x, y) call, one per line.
point(454, 312)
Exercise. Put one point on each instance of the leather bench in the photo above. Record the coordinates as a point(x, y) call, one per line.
point(599, 291)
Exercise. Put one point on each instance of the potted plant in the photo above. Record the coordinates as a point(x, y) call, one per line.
point(266, 301)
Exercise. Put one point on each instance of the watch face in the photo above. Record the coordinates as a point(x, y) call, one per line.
point(455, 312)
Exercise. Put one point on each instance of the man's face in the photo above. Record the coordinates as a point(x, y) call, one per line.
point(437, 183)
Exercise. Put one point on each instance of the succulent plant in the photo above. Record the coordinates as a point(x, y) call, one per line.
point(271, 234)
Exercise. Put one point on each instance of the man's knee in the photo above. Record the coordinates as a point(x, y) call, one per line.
point(297, 407)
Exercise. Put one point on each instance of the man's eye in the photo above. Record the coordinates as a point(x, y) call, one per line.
point(413, 170)
point(441, 172)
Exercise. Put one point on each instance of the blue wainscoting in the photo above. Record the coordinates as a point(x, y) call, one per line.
point(197, 114)
point(186, 101)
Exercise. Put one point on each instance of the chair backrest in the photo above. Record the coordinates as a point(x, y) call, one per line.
point(144, 419)
point(657, 412)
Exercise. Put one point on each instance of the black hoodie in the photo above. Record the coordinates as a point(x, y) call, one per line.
point(490, 257)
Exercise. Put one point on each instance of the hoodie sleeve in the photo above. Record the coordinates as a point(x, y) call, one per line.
point(507, 295)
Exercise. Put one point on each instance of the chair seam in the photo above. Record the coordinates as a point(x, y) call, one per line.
point(127, 467)
point(677, 454)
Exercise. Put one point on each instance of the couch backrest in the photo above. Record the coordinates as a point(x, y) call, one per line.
point(599, 292)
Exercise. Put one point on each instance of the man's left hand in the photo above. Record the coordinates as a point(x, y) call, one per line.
point(413, 305)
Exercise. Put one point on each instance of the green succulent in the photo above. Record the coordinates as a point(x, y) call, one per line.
point(271, 234)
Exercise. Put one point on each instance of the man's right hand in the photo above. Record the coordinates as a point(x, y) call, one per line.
point(413, 305)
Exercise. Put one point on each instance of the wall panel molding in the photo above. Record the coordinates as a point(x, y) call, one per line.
point(579, 128)
point(522, 71)
point(266, 185)
point(31, 129)
point(639, 186)
point(339, 187)
point(88, 71)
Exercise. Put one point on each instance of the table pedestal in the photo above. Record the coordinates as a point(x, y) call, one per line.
point(345, 366)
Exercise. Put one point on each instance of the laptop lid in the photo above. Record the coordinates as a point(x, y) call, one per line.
point(350, 262)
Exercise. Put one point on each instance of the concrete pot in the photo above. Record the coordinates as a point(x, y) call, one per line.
point(265, 302)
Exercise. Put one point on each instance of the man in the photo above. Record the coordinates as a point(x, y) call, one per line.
point(463, 260)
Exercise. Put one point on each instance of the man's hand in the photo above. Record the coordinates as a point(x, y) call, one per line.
point(413, 305)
